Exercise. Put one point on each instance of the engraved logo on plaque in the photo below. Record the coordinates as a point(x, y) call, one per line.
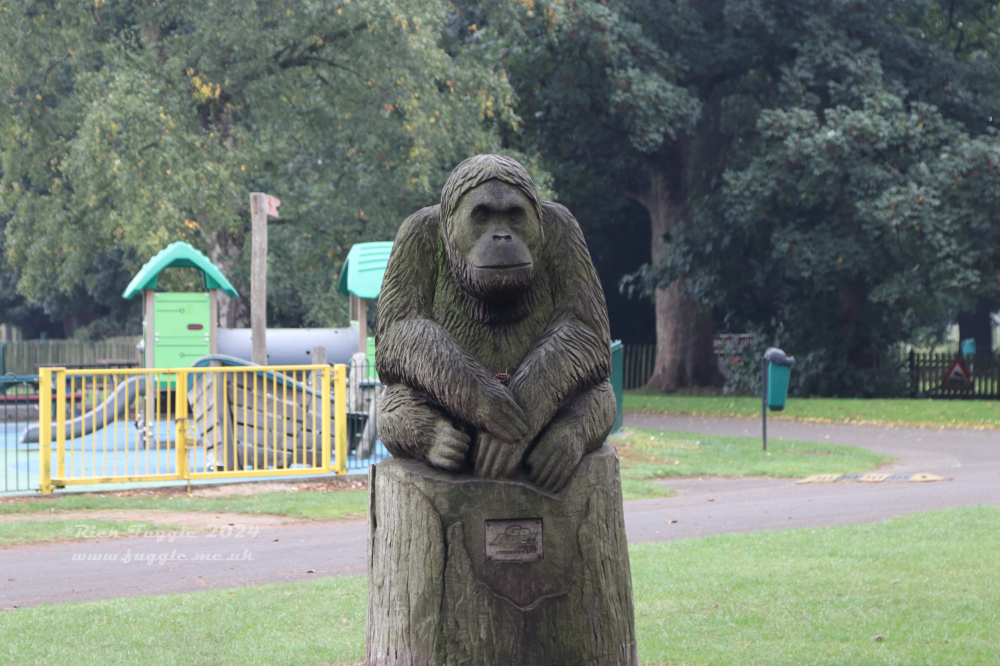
point(514, 540)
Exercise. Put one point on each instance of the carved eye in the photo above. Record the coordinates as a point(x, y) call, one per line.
point(481, 214)
point(516, 215)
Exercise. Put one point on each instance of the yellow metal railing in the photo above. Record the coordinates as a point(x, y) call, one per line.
point(112, 426)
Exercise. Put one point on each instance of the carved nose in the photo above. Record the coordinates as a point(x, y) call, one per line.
point(502, 237)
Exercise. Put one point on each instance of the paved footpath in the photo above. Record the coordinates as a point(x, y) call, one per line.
point(969, 459)
point(45, 574)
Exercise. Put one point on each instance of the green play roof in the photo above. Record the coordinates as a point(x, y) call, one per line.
point(364, 268)
point(178, 254)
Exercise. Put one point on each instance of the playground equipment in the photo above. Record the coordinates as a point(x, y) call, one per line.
point(198, 408)
point(216, 423)
point(178, 327)
point(361, 280)
point(114, 406)
point(291, 346)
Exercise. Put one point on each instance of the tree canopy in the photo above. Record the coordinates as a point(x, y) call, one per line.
point(822, 173)
point(819, 172)
point(130, 125)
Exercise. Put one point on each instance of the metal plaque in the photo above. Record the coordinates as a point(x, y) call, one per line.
point(514, 540)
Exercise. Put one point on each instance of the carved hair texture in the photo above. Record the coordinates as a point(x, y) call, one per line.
point(475, 171)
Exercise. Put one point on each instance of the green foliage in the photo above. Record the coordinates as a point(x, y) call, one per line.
point(866, 224)
point(821, 170)
point(855, 200)
point(130, 125)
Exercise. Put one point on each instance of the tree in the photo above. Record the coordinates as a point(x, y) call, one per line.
point(854, 231)
point(858, 207)
point(599, 88)
point(129, 125)
point(694, 108)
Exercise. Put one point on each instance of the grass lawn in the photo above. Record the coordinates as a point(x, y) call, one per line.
point(48, 531)
point(927, 584)
point(657, 454)
point(901, 411)
point(645, 455)
point(310, 504)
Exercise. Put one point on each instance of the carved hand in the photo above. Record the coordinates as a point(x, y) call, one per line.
point(553, 461)
point(497, 459)
point(500, 415)
point(449, 446)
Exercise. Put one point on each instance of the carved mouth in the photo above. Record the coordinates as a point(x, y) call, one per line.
point(505, 267)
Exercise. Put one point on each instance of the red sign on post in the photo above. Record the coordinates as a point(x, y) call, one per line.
point(957, 377)
point(272, 205)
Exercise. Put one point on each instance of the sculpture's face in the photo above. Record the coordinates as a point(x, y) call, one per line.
point(493, 237)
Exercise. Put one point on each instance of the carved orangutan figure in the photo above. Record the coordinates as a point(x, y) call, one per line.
point(492, 332)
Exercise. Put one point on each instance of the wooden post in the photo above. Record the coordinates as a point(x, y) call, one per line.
point(763, 399)
point(258, 279)
point(149, 334)
point(213, 317)
point(318, 357)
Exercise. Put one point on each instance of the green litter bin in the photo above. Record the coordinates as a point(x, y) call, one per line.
point(779, 370)
point(618, 382)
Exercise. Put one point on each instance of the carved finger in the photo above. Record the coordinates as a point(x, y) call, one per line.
point(512, 461)
point(558, 481)
point(438, 459)
point(495, 462)
point(485, 454)
point(537, 460)
point(459, 437)
point(550, 466)
point(507, 461)
point(513, 420)
point(443, 463)
point(494, 459)
point(454, 450)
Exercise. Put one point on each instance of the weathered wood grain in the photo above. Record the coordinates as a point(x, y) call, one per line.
point(435, 599)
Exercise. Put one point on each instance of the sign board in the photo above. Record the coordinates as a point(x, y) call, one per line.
point(957, 377)
point(514, 540)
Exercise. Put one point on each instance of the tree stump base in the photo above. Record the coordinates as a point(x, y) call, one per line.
point(464, 570)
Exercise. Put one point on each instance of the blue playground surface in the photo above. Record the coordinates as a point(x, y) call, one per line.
point(116, 451)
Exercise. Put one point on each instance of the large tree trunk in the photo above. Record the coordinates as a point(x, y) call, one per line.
point(684, 354)
point(465, 570)
point(224, 249)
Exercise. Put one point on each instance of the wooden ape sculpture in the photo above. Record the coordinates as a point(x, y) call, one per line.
point(493, 284)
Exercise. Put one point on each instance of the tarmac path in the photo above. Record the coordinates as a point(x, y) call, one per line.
point(968, 459)
point(100, 569)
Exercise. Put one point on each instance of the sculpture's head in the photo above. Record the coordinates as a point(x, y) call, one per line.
point(491, 223)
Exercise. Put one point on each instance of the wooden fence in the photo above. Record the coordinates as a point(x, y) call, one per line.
point(926, 373)
point(927, 377)
point(24, 356)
